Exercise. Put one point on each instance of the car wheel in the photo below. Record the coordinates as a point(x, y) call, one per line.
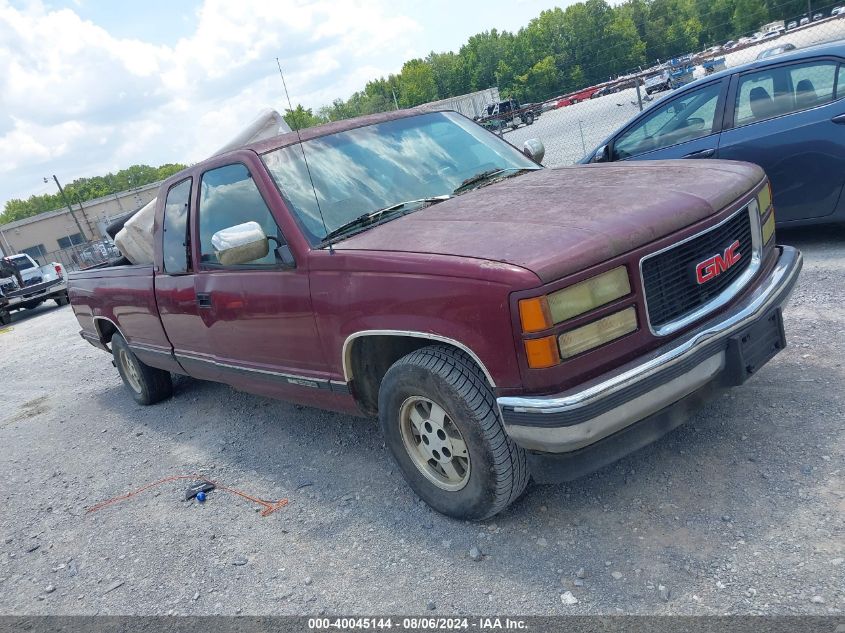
point(147, 385)
point(529, 118)
point(441, 423)
point(5, 318)
point(62, 300)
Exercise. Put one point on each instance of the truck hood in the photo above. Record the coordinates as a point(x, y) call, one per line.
point(559, 221)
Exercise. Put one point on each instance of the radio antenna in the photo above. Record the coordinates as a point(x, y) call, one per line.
point(302, 149)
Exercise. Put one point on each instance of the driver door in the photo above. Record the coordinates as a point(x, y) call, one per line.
point(258, 315)
point(682, 126)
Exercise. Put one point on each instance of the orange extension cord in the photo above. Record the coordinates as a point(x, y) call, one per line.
point(269, 506)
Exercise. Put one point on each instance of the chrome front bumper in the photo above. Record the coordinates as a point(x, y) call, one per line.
point(580, 417)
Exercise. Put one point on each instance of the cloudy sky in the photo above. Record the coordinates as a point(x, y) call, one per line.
point(92, 86)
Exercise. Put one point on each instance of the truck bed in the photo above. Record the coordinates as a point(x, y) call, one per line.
point(121, 299)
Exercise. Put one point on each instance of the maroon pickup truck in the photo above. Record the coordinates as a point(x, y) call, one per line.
point(500, 319)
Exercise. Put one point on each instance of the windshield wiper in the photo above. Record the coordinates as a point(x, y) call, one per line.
point(374, 216)
point(487, 175)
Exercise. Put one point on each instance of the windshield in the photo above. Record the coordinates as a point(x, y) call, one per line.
point(373, 167)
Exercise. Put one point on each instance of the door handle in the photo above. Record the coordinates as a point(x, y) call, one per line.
point(704, 153)
point(839, 118)
point(203, 300)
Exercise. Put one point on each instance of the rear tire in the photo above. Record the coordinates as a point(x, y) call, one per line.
point(62, 300)
point(441, 422)
point(147, 385)
point(5, 318)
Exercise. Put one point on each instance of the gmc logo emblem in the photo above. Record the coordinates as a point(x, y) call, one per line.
point(716, 265)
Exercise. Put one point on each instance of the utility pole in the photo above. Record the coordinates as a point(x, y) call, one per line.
point(114, 193)
point(86, 218)
point(69, 208)
point(809, 11)
point(396, 103)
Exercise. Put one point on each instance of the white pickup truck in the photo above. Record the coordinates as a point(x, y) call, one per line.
point(40, 283)
point(659, 82)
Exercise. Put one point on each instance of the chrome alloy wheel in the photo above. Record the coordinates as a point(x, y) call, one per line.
point(130, 370)
point(434, 443)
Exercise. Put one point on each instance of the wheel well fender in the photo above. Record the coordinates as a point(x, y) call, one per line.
point(106, 329)
point(368, 355)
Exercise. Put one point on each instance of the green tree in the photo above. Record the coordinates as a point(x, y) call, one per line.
point(716, 18)
point(542, 79)
point(84, 189)
point(622, 37)
point(749, 15)
point(416, 83)
point(300, 118)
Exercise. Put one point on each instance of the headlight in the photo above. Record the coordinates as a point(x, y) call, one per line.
point(540, 313)
point(764, 198)
point(607, 329)
point(769, 227)
point(589, 294)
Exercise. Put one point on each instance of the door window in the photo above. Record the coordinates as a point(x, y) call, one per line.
point(774, 92)
point(685, 118)
point(174, 242)
point(228, 197)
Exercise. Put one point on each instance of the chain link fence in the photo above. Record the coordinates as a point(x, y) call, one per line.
point(572, 125)
point(81, 256)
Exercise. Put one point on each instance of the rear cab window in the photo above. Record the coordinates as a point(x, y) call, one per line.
point(175, 228)
point(773, 92)
point(21, 262)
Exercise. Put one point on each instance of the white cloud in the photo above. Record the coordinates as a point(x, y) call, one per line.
point(77, 101)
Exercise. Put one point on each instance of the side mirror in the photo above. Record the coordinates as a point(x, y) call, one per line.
point(601, 155)
point(534, 149)
point(240, 244)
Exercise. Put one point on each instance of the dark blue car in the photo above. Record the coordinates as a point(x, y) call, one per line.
point(785, 113)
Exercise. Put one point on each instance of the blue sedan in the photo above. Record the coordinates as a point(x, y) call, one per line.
point(784, 113)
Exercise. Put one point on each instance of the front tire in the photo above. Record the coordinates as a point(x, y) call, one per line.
point(441, 422)
point(147, 385)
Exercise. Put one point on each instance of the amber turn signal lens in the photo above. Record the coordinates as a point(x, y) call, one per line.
point(534, 314)
point(542, 352)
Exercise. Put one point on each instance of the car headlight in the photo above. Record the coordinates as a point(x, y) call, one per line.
point(541, 313)
point(599, 332)
point(764, 203)
point(764, 199)
point(769, 227)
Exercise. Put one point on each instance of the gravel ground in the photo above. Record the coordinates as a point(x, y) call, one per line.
point(738, 511)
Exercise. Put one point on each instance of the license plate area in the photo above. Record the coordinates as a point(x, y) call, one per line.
point(752, 348)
